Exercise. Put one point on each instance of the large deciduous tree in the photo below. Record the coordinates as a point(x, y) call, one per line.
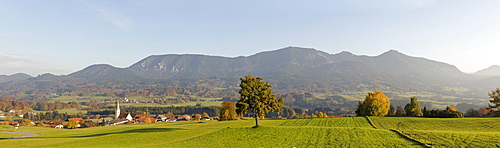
point(413, 108)
point(256, 96)
point(375, 104)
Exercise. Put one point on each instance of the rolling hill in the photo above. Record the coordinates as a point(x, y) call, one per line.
point(14, 77)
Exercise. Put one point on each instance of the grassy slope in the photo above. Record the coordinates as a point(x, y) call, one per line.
point(447, 132)
point(8, 135)
point(125, 135)
point(330, 122)
point(316, 133)
point(69, 111)
point(298, 137)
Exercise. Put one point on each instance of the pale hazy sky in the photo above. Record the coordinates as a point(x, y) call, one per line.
point(62, 36)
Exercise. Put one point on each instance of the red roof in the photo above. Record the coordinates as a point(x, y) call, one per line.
point(77, 119)
point(152, 119)
point(139, 116)
point(123, 115)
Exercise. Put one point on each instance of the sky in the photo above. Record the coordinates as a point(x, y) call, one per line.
point(64, 36)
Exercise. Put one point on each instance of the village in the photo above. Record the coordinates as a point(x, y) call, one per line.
point(16, 118)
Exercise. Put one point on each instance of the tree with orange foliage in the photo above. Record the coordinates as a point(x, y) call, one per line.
point(484, 111)
point(197, 117)
point(228, 111)
point(72, 124)
point(321, 115)
point(205, 115)
point(147, 120)
point(375, 104)
point(451, 108)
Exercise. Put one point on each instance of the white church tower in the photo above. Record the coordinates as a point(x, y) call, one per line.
point(117, 114)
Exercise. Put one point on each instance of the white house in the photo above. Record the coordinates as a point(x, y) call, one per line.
point(60, 126)
point(129, 117)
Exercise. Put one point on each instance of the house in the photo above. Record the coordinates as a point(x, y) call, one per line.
point(4, 123)
point(153, 120)
point(143, 119)
point(15, 123)
point(14, 111)
point(163, 118)
point(77, 119)
point(129, 117)
point(171, 120)
point(185, 117)
point(138, 117)
point(106, 119)
point(170, 116)
point(60, 126)
point(125, 116)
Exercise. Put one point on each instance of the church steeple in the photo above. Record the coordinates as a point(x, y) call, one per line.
point(117, 114)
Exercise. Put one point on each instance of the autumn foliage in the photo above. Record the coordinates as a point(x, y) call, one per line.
point(228, 111)
point(451, 108)
point(8, 104)
point(375, 104)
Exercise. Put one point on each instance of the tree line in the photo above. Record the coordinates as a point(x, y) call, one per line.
point(9, 104)
point(377, 104)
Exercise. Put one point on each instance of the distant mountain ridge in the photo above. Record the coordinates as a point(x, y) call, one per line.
point(290, 60)
point(105, 71)
point(288, 68)
point(14, 77)
point(490, 71)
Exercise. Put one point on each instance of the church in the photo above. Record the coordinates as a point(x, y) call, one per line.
point(121, 116)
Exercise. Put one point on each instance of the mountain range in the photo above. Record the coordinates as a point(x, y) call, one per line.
point(290, 67)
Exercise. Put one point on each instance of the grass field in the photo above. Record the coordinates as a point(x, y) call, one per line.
point(330, 122)
point(299, 137)
point(8, 135)
point(276, 133)
point(159, 134)
point(69, 111)
point(316, 132)
point(446, 132)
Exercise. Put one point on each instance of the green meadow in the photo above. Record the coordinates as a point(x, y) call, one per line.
point(8, 135)
point(446, 132)
point(316, 132)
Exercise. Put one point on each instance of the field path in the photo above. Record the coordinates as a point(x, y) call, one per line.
point(26, 134)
